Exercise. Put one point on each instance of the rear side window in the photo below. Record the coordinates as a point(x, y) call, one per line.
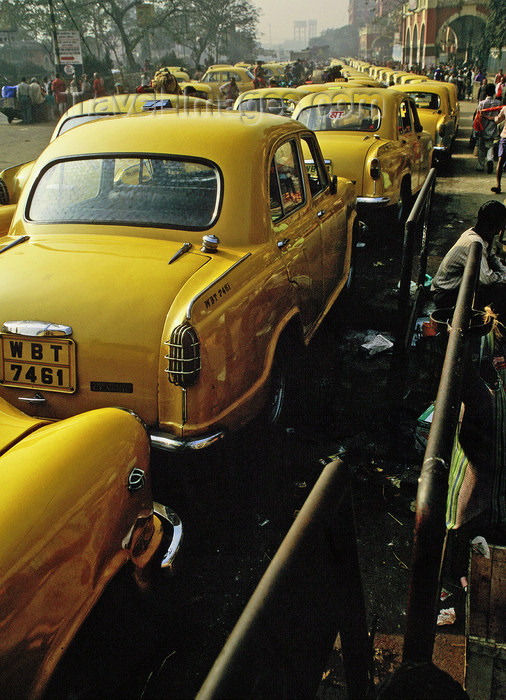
point(134, 190)
point(285, 181)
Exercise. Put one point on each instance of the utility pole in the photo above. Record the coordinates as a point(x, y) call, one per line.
point(55, 37)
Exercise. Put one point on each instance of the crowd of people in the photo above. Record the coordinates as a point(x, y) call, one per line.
point(47, 99)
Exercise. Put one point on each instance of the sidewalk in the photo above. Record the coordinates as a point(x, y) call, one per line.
point(22, 142)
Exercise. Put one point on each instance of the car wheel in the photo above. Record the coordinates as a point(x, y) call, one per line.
point(278, 410)
point(358, 231)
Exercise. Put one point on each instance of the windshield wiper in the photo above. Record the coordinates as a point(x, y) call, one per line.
point(184, 248)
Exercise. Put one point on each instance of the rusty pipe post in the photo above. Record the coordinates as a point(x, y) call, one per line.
point(430, 523)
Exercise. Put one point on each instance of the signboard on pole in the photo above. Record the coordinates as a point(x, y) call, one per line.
point(69, 44)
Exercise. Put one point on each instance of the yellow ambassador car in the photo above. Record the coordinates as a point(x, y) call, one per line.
point(373, 137)
point(76, 505)
point(171, 265)
point(218, 75)
point(432, 99)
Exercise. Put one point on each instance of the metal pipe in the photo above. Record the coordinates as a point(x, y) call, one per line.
point(311, 591)
point(430, 522)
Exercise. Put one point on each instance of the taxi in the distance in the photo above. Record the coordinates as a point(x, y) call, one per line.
point(373, 137)
point(76, 505)
point(432, 99)
point(218, 75)
point(171, 265)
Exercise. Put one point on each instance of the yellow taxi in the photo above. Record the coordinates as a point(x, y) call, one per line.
point(375, 138)
point(75, 506)
point(274, 100)
point(454, 99)
point(432, 99)
point(218, 75)
point(273, 70)
point(183, 258)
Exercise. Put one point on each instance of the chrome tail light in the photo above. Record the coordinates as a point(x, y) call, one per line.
point(183, 356)
point(375, 169)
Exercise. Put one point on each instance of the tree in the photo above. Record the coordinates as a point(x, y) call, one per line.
point(496, 24)
point(214, 26)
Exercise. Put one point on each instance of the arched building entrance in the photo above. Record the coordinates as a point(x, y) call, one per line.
point(433, 33)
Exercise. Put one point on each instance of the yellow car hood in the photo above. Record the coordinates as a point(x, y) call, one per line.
point(348, 153)
point(114, 292)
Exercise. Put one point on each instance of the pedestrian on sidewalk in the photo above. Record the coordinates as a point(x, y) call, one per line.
point(25, 104)
point(501, 117)
point(60, 94)
point(486, 137)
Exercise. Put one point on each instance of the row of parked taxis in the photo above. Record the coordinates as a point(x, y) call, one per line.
point(175, 260)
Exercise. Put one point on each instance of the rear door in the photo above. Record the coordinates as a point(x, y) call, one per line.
point(296, 229)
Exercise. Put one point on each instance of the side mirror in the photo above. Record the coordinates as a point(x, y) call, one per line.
point(333, 185)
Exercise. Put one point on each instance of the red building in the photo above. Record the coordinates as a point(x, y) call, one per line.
point(441, 31)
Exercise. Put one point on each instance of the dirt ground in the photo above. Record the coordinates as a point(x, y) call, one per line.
point(237, 506)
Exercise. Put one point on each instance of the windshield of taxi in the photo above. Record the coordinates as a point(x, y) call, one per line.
point(132, 190)
point(426, 100)
point(341, 116)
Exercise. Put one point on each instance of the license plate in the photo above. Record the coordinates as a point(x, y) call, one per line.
point(311, 168)
point(38, 363)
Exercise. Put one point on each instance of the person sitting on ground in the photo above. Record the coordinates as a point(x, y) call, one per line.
point(492, 290)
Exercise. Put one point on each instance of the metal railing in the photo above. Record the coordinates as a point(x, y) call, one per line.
point(409, 304)
point(430, 522)
point(311, 591)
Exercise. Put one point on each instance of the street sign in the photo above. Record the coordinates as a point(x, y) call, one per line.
point(69, 45)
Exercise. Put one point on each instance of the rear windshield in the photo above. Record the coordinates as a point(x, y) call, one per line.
point(273, 105)
point(341, 116)
point(134, 190)
point(426, 100)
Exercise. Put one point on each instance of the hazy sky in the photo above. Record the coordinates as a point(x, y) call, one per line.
point(277, 17)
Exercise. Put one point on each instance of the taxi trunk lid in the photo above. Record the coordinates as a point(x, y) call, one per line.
point(114, 293)
point(348, 153)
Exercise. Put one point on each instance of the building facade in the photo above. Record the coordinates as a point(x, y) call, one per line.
point(442, 31)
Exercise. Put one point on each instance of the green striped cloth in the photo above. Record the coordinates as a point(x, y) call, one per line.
point(462, 504)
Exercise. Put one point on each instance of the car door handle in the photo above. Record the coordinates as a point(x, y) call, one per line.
point(321, 213)
point(281, 244)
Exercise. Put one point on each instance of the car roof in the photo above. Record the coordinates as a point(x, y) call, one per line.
point(366, 93)
point(128, 104)
point(191, 134)
point(272, 92)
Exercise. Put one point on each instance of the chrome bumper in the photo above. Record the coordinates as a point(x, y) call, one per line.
point(169, 443)
point(373, 201)
point(441, 148)
point(173, 518)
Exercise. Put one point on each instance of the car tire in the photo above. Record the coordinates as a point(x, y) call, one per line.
point(358, 232)
point(278, 410)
